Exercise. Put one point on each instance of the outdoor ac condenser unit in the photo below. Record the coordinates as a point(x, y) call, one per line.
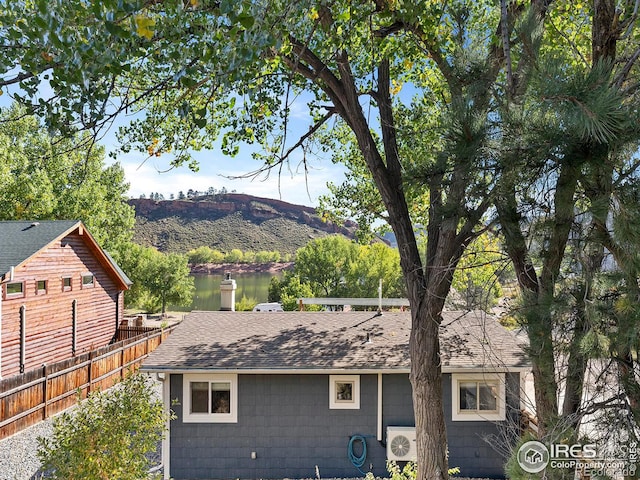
point(401, 444)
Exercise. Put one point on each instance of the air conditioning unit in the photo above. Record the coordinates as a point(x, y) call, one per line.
point(401, 444)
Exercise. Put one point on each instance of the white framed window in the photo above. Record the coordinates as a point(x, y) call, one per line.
point(41, 287)
point(14, 290)
point(210, 398)
point(88, 280)
point(344, 392)
point(478, 396)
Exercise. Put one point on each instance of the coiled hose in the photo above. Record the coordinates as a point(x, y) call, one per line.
point(358, 460)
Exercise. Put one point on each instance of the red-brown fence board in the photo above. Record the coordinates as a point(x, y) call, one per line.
point(33, 396)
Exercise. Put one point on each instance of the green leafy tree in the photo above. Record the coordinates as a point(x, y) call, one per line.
point(248, 256)
point(246, 304)
point(610, 305)
point(108, 435)
point(480, 272)
point(265, 256)
point(237, 68)
point(288, 290)
point(566, 148)
point(158, 279)
point(205, 254)
point(374, 263)
point(130, 257)
point(335, 266)
point(48, 178)
point(167, 277)
point(234, 256)
point(325, 263)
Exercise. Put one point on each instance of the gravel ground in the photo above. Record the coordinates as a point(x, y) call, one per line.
point(18, 453)
point(18, 459)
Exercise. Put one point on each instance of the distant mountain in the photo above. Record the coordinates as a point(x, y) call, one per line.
point(227, 221)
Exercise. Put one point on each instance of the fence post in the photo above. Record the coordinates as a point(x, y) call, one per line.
point(90, 370)
point(57, 370)
point(45, 396)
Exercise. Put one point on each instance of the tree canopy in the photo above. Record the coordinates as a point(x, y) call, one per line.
point(335, 266)
point(502, 101)
point(159, 279)
point(45, 177)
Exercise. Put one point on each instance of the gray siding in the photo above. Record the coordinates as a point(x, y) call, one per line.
point(286, 420)
point(475, 447)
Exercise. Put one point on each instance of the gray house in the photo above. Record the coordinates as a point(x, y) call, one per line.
point(294, 394)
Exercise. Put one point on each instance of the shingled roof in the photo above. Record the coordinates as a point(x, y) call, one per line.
point(328, 341)
point(20, 240)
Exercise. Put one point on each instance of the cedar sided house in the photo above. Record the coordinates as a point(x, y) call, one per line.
point(62, 295)
point(277, 395)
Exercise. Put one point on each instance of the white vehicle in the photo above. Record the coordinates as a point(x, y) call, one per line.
point(268, 307)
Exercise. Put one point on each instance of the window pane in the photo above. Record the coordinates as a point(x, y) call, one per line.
point(87, 280)
point(220, 397)
point(488, 396)
point(344, 391)
point(468, 400)
point(199, 397)
point(66, 282)
point(13, 288)
point(42, 285)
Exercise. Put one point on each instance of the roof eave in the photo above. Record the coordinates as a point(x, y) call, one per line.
point(319, 371)
point(26, 260)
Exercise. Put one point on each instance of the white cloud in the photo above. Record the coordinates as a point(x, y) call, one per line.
point(150, 176)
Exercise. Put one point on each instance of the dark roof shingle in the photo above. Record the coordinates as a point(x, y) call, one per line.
point(19, 240)
point(328, 341)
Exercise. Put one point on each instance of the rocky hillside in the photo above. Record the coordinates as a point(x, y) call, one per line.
point(229, 221)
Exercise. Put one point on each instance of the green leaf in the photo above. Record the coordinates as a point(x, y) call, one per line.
point(247, 21)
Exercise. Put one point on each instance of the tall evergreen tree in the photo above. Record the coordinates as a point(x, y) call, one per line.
point(561, 161)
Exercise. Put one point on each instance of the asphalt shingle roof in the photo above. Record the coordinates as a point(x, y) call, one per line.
point(328, 341)
point(19, 240)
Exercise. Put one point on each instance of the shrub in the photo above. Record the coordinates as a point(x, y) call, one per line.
point(246, 304)
point(205, 254)
point(234, 256)
point(108, 435)
point(408, 472)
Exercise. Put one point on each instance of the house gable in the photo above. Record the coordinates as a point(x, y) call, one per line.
point(21, 240)
point(70, 299)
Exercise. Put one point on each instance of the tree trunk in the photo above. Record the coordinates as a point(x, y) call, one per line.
point(426, 380)
point(425, 298)
point(576, 367)
point(539, 325)
point(538, 291)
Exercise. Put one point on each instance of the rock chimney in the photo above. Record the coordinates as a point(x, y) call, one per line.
point(228, 294)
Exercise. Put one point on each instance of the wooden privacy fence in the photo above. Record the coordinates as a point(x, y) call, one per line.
point(35, 395)
point(125, 333)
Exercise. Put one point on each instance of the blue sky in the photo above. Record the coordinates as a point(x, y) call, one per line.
point(146, 175)
point(150, 175)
